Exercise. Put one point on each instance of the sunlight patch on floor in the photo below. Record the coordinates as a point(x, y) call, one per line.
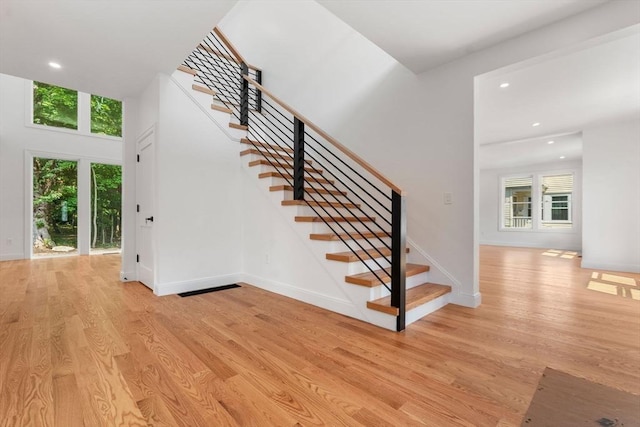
point(626, 287)
point(560, 254)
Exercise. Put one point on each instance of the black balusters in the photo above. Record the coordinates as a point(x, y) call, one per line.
point(398, 257)
point(244, 96)
point(298, 159)
point(259, 92)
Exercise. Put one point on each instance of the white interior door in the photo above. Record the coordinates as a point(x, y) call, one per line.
point(145, 204)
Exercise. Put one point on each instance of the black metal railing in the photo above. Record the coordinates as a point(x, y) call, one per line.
point(218, 70)
point(350, 197)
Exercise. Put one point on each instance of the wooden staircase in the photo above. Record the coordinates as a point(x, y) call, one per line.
point(276, 164)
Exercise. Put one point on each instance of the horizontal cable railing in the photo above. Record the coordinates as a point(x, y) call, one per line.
point(363, 208)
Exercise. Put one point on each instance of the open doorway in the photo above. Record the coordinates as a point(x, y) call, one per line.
point(55, 207)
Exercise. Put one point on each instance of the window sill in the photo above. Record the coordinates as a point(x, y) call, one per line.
point(73, 132)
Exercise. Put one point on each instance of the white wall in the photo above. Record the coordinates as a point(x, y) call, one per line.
point(611, 237)
point(140, 115)
point(18, 141)
point(490, 207)
point(418, 130)
point(198, 206)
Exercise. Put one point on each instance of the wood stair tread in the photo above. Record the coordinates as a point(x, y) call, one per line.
point(415, 297)
point(333, 219)
point(349, 256)
point(221, 108)
point(232, 105)
point(370, 280)
point(276, 174)
point(238, 126)
point(333, 237)
point(203, 89)
point(282, 156)
point(286, 187)
point(265, 162)
point(319, 203)
point(187, 70)
point(265, 145)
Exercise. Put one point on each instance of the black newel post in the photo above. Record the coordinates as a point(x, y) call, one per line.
point(244, 96)
point(398, 257)
point(259, 93)
point(298, 159)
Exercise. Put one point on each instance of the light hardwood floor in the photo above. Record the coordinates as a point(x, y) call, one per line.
point(77, 347)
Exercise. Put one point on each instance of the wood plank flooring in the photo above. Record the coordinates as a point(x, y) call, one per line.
point(77, 347)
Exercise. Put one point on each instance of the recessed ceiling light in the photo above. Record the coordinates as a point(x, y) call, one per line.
point(55, 65)
point(504, 85)
point(536, 124)
point(561, 157)
point(550, 142)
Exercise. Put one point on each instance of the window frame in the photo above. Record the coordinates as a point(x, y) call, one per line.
point(84, 116)
point(537, 224)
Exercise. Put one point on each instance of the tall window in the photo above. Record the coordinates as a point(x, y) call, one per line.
point(55, 106)
point(59, 107)
point(517, 203)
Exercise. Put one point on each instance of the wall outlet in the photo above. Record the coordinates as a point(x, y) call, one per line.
point(9, 241)
point(447, 198)
point(267, 259)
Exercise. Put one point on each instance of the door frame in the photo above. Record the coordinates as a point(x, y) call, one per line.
point(84, 196)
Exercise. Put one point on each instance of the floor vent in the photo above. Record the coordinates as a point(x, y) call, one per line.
point(206, 291)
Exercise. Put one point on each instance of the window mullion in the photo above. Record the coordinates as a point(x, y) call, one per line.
point(84, 113)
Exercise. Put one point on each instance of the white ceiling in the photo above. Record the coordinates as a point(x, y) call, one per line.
point(114, 48)
point(596, 83)
point(530, 152)
point(422, 34)
point(110, 48)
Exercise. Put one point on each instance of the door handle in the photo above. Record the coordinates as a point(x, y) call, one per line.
point(149, 219)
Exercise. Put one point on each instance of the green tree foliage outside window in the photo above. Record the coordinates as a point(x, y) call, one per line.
point(106, 116)
point(55, 190)
point(106, 205)
point(55, 106)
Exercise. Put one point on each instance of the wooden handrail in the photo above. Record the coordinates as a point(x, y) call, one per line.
point(353, 156)
point(231, 47)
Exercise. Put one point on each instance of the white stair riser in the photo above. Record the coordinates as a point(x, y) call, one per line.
point(305, 210)
point(336, 246)
point(276, 165)
point(321, 227)
point(426, 309)
point(411, 282)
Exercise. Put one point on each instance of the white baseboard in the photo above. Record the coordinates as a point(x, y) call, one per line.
point(11, 257)
point(466, 300)
point(623, 268)
point(171, 288)
point(341, 306)
point(527, 245)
